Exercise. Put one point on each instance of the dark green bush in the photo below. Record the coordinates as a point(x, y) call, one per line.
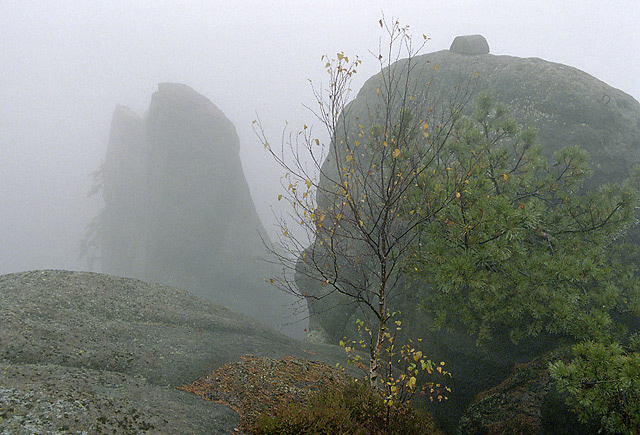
point(351, 409)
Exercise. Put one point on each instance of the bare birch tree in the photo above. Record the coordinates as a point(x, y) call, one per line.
point(351, 202)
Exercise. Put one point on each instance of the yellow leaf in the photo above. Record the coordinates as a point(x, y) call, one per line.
point(505, 176)
point(436, 67)
point(279, 197)
point(377, 91)
point(425, 126)
point(308, 183)
point(457, 194)
point(317, 142)
point(285, 232)
point(396, 153)
point(412, 382)
point(349, 157)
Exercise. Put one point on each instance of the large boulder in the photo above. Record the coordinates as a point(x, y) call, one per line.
point(567, 107)
point(96, 353)
point(178, 208)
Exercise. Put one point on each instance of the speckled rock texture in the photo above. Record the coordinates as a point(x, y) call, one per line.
point(526, 403)
point(91, 353)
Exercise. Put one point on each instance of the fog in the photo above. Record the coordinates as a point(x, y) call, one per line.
point(66, 64)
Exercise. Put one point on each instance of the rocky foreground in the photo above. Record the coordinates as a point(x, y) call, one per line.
point(91, 353)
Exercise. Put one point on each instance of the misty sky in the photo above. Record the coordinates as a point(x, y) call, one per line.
point(66, 64)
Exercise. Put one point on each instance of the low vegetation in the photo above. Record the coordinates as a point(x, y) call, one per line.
point(354, 408)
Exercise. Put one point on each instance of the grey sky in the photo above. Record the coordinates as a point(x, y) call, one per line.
point(66, 64)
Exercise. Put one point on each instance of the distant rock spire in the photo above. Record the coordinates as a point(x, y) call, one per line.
point(178, 210)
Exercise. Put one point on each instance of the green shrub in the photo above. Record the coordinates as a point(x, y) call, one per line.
point(351, 409)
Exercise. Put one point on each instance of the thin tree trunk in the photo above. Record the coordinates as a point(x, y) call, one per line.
point(374, 364)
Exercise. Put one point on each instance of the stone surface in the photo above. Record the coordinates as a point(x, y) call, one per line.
point(93, 352)
point(470, 44)
point(178, 208)
point(525, 403)
point(567, 107)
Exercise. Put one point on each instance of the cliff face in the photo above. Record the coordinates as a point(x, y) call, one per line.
point(178, 208)
point(124, 179)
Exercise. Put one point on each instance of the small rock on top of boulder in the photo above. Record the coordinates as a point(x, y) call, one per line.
point(470, 44)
